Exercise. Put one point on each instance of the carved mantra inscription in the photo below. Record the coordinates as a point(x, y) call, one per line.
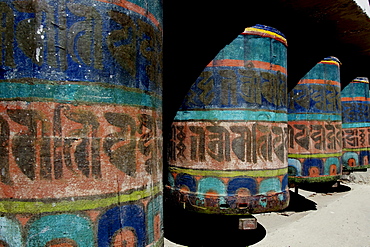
point(226, 145)
point(60, 142)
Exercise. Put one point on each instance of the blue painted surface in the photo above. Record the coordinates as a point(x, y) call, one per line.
point(187, 180)
point(314, 98)
point(85, 46)
point(238, 183)
point(118, 218)
point(312, 162)
point(249, 88)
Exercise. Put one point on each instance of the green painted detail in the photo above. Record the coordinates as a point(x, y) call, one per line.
point(321, 179)
point(230, 174)
point(354, 149)
point(324, 155)
point(159, 243)
point(77, 205)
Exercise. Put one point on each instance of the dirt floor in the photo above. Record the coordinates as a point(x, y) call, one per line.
point(315, 217)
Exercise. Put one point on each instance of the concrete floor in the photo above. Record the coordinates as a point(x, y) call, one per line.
point(336, 217)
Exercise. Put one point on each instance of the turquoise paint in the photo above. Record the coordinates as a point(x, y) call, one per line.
point(263, 202)
point(322, 70)
point(349, 155)
point(357, 89)
point(10, 232)
point(69, 93)
point(153, 7)
point(329, 162)
point(297, 165)
point(270, 184)
point(355, 125)
point(235, 115)
point(237, 50)
point(52, 227)
point(154, 208)
point(214, 184)
point(170, 180)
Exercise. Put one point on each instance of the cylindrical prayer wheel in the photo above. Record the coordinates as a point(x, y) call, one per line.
point(315, 125)
point(80, 122)
point(356, 122)
point(228, 150)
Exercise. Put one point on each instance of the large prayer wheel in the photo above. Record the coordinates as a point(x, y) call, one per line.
point(228, 151)
point(80, 122)
point(356, 122)
point(315, 125)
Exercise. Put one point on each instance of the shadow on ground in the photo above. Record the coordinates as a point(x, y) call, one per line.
point(202, 230)
point(325, 188)
point(299, 203)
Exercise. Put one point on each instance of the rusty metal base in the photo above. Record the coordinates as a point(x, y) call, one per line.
point(226, 205)
point(249, 223)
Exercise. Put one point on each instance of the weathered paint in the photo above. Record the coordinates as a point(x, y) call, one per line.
point(356, 122)
point(80, 123)
point(228, 150)
point(315, 125)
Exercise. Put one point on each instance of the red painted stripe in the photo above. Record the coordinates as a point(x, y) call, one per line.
point(319, 81)
point(249, 63)
point(131, 6)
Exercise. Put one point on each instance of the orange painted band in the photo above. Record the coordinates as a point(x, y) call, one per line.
point(319, 81)
point(355, 99)
point(131, 6)
point(251, 63)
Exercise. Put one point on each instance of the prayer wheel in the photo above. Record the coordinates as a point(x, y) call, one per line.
point(80, 121)
point(356, 122)
point(228, 148)
point(315, 125)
